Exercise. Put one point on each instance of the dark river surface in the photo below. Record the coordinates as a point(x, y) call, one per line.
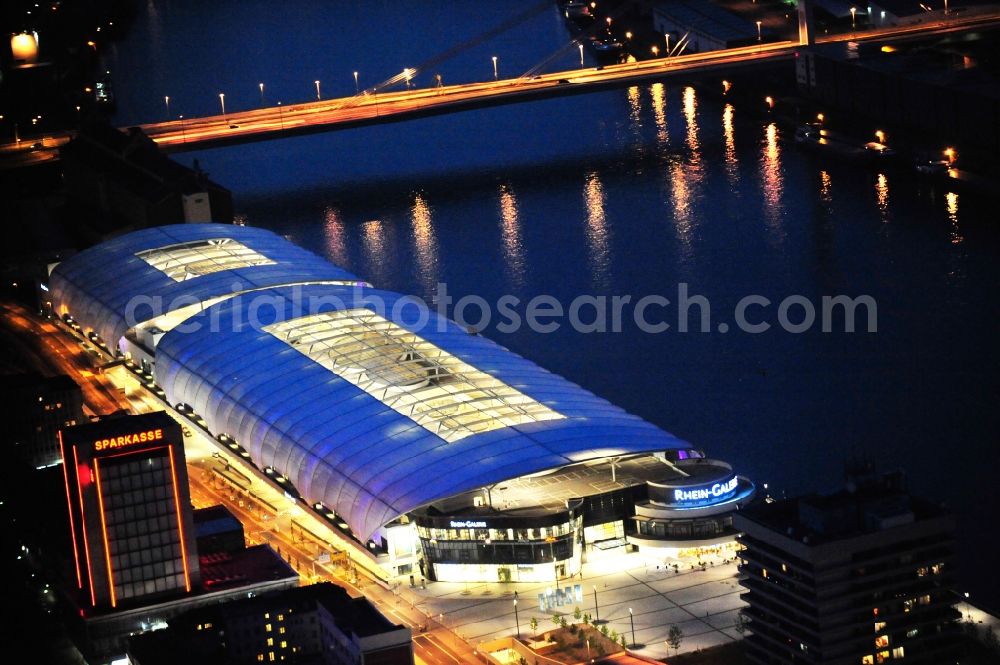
point(628, 192)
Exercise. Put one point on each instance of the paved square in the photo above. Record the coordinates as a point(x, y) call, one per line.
point(702, 603)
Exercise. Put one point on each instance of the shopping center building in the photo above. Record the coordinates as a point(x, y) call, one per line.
point(446, 453)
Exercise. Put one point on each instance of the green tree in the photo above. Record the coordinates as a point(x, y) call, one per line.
point(604, 630)
point(613, 635)
point(555, 619)
point(562, 622)
point(674, 637)
point(577, 613)
point(621, 640)
point(534, 625)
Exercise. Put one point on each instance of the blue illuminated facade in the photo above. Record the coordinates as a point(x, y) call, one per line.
point(337, 443)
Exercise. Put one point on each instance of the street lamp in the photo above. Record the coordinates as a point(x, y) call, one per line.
point(166, 100)
point(854, 11)
point(356, 88)
point(407, 73)
point(580, 45)
point(496, 74)
point(758, 32)
point(317, 89)
point(517, 621)
point(666, 36)
point(631, 620)
point(281, 119)
point(880, 136)
point(222, 103)
point(597, 610)
point(656, 51)
point(820, 117)
point(183, 135)
point(628, 34)
point(261, 86)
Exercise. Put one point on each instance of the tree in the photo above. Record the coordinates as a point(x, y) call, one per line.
point(586, 619)
point(604, 630)
point(555, 619)
point(674, 637)
point(577, 613)
point(534, 625)
point(562, 621)
point(621, 641)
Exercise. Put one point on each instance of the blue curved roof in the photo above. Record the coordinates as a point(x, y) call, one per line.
point(336, 442)
point(97, 285)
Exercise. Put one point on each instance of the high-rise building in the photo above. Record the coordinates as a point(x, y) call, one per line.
point(318, 624)
point(858, 577)
point(34, 408)
point(130, 510)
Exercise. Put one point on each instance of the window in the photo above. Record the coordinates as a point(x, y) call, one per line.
point(881, 656)
point(879, 626)
point(267, 627)
point(881, 641)
point(434, 388)
point(868, 660)
point(270, 641)
point(899, 652)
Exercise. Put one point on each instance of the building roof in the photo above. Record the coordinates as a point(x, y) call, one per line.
point(112, 300)
point(865, 506)
point(369, 406)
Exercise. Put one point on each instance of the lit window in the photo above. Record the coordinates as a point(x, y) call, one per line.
point(187, 260)
point(260, 657)
point(763, 572)
point(284, 644)
point(881, 656)
point(281, 617)
point(270, 641)
point(784, 568)
point(281, 629)
point(925, 600)
point(879, 626)
point(881, 641)
point(267, 628)
point(868, 660)
point(436, 389)
point(270, 656)
point(913, 632)
point(899, 652)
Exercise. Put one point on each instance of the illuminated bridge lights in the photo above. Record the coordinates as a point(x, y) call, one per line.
point(412, 376)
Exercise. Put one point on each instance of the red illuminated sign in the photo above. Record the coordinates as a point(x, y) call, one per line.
point(128, 440)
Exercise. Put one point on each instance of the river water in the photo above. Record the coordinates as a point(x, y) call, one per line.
point(628, 192)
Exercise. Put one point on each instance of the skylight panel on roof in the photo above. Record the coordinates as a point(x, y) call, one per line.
point(188, 260)
point(425, 383)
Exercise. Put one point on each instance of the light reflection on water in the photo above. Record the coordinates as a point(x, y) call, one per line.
point(729, 134)
point(597, 230)
point(336, 237)
point(773, 183)
point(424, 242)
point(882, 196)
point(510, 230)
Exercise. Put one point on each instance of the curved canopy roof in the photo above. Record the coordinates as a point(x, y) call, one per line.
point(370, 406)
point(135, 277)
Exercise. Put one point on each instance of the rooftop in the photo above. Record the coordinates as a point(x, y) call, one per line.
point(866, 505)
point(543, 493)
